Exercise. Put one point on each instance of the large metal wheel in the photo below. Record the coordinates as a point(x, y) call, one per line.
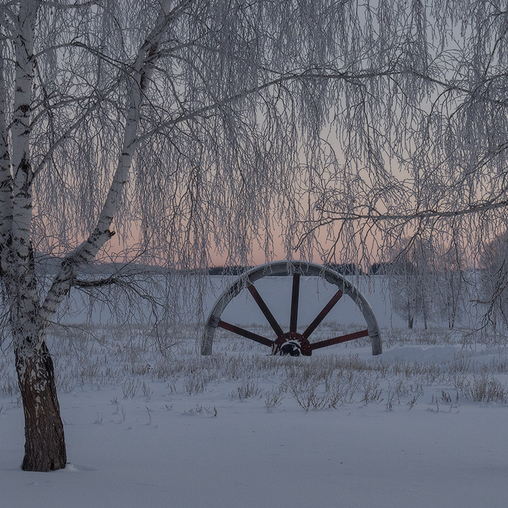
point(292, 342)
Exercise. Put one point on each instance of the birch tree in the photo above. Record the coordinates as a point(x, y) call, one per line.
point(190, 125)
point(450, 289)
point(413, 281)
point(494, 282)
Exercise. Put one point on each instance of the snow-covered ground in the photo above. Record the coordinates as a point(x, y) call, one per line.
point(423, 425)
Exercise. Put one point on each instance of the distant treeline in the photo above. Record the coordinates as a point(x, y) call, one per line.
point(228, 270)
point(343, 269)
point(52, 264)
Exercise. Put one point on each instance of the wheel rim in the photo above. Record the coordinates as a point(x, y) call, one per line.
point(296, 269)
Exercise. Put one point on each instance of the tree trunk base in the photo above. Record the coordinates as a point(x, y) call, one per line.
point(44, 434)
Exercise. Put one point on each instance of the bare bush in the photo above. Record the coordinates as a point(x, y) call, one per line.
point(246, 390)
point(130, 388)
point(484, 389)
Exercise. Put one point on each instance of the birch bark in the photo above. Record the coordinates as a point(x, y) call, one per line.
point(5, 169)
point(44, 435)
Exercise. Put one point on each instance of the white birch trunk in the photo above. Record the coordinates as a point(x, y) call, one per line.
point(44, 435)
point(19, 269)
point(5, 171)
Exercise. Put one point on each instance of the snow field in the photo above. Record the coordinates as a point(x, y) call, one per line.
point(154, 424)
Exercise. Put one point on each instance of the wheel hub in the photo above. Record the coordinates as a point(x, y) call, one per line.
point(293, 344)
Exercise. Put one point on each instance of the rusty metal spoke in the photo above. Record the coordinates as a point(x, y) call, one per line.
point(246, 333)
point(293, 322)
point(338, 340)
point(328, 307)
point(265, 310)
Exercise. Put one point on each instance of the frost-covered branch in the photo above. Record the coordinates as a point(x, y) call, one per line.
point(142, 73)
point(375, 216)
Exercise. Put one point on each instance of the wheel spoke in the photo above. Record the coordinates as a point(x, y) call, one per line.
point(338, 340)
point(265, 310)
point(328, 307)
point(245, 333)
point(293, 322)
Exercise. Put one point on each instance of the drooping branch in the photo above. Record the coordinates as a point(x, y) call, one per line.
point(142, 71)
point(304, 75)
point(375, 216)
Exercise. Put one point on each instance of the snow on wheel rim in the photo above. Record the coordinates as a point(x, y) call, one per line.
point(295, 268)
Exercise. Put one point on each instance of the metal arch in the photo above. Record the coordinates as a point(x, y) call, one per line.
point(291, 267)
